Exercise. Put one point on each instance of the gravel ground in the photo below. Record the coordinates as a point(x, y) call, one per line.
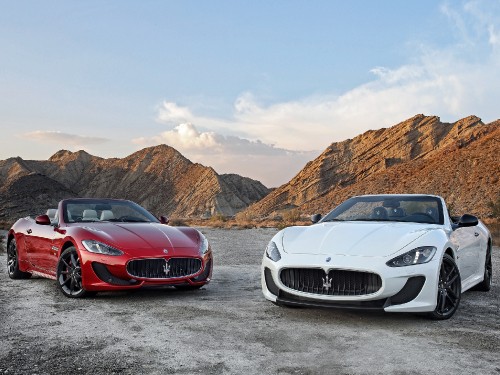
point(228, 327)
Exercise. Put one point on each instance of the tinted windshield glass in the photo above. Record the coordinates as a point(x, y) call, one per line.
point(87, 210)
point(418, 209)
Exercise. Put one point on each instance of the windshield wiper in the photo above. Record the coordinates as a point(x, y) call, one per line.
point(335, 219)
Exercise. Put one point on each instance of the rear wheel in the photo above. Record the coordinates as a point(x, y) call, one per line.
point(485, 285)
point(13, 262)
point(69, 274)
point(449, 290)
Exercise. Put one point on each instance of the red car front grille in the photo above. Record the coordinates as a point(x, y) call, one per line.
point(159, 268)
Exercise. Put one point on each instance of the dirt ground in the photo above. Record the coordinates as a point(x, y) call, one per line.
point(229, 328)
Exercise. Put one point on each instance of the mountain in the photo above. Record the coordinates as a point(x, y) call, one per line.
point(159, 178)
point(459, 161)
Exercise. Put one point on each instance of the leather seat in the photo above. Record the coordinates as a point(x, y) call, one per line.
point(107, 215)
point(89, 215)
point(379, 213)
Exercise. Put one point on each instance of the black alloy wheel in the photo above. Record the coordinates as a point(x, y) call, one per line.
point(69, 274)
point(449, 289)
point(485, 285)
point(13, 262)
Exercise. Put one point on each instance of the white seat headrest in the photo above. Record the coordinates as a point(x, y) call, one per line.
point(107, 215)
point(89, 215)
point(51, 213)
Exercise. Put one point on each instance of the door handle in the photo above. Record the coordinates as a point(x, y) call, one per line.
point(29, 231)
point(476, 234)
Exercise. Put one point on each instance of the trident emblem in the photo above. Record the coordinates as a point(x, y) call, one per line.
point(327, 282)
point(166, 268)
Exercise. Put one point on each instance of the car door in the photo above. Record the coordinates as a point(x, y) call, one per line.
point(467, 252)
point(41, 253)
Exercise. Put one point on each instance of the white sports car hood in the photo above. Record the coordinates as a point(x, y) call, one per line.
point(352, 238)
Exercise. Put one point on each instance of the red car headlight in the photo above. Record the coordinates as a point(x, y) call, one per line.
point(100, 248)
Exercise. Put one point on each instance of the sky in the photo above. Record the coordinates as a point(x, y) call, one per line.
point(257, 88)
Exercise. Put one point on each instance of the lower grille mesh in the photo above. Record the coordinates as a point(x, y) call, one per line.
point(158, 268)
point(335, 283)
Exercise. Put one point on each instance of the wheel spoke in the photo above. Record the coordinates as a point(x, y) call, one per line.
point(65, 263)
point(73, 260)
point(442, 301)
point(66, 280)
point(452, 281)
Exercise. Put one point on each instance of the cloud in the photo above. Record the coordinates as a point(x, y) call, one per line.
point(232, 154)
point(452, 82)
point(63, 138)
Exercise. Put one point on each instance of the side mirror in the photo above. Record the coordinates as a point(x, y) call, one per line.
point(468, 221)
point(42, 220)
point(164, 220)
point(315, 218)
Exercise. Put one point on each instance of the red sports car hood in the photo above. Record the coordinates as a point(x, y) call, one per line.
point(136, 236)
point(352, 238)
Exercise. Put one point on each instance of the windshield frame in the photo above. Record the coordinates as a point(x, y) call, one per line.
point(104, 201)
point(347, 204)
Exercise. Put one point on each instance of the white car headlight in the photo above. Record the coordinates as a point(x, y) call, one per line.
point(204, 245)
point(419, 255)
point(272, 252)
point(100, 248)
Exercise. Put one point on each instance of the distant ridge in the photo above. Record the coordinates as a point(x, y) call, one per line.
point(459, 161)
point(159, 178)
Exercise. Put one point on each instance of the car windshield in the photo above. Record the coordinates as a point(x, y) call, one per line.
point(105, 210)
point(417, 209)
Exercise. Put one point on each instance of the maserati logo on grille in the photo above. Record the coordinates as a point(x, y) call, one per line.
point(328, 259)
point(166, 268)
point(327, 282)
point(165, 251)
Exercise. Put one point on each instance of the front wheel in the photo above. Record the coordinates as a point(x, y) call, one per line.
point(69, 274)
point(449, 290)
point(13, 262)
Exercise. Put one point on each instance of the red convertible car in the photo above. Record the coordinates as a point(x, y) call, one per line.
point(92, 245)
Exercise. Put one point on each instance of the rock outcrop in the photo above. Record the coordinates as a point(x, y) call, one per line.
point(159, 178)
point(459, 161)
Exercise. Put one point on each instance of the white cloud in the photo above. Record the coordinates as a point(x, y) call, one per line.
point(63, 139)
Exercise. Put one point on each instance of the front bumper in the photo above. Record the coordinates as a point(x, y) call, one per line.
point(404, 289)
point(108, 273)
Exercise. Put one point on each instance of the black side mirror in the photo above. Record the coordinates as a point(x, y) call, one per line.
point(468, 221)
point(42, 220)
point(164, 220)
point(315, 218)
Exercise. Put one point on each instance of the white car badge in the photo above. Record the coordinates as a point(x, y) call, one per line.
point(166, 268)
point(165, 251)
point(327, 282)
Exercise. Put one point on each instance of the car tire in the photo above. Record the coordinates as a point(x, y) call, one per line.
point(13, 262)
point(485, 285)
point(69, 274)
point(449, 290)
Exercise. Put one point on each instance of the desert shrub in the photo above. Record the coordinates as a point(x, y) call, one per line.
point(245, 219)
point(176, 222)
point(495, 208)
point(291, 216)
point(217, 221)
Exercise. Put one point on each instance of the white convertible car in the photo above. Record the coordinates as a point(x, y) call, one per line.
point(399, 253)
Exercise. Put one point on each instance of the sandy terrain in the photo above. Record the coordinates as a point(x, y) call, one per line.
point(227, 327)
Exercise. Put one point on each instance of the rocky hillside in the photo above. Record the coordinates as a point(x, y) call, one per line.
point(459, 161)
point(159, 178)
